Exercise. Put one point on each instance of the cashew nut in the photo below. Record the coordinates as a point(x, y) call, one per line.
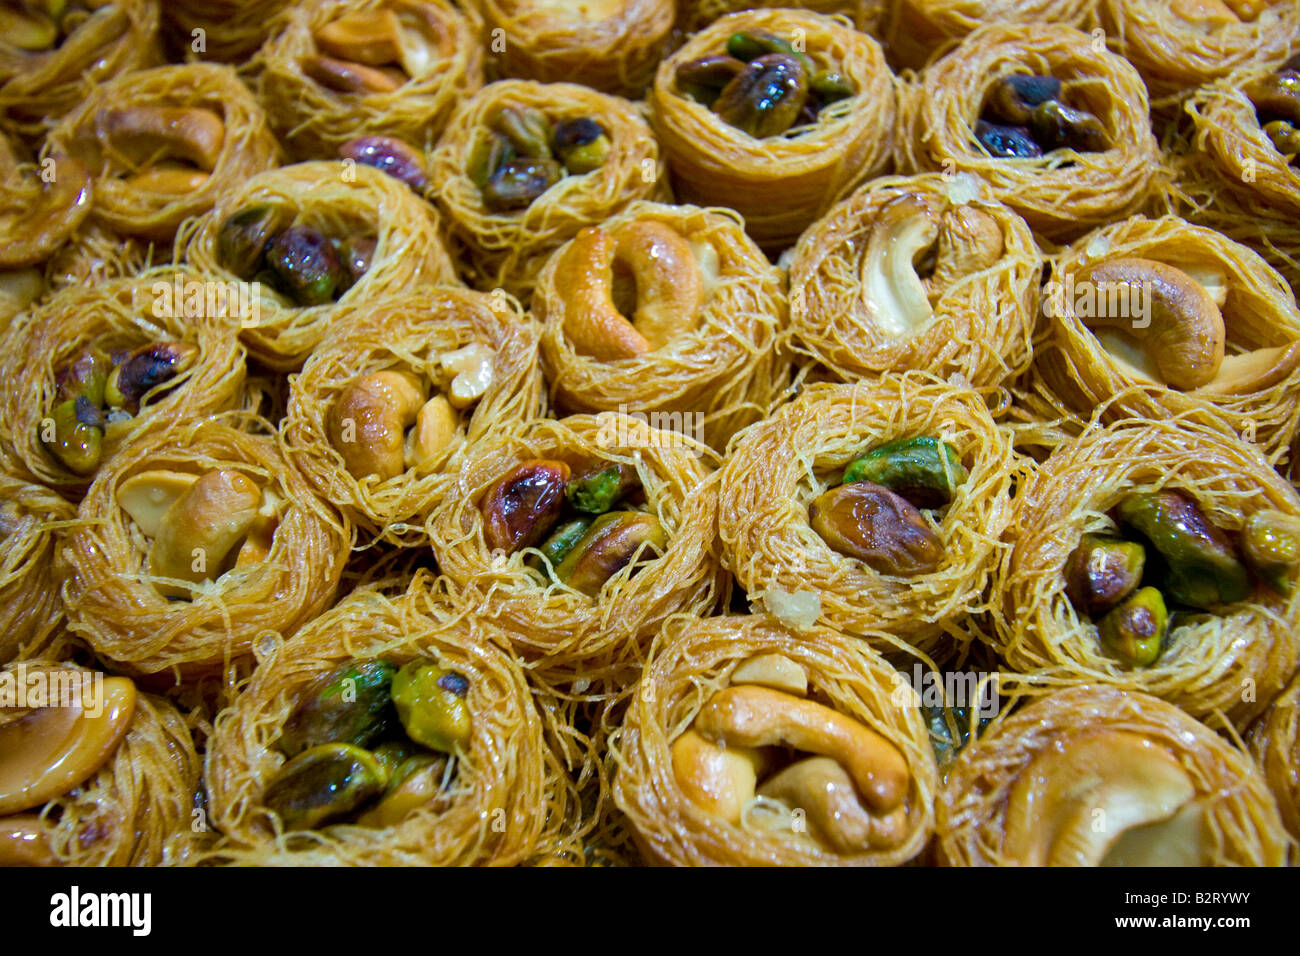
point(435, 427)
point(963, 240)
point(1183, 337)
point(823, 790)
point(201, 528)
point(1256, 370)
point(144, 135)
point(170, 180)
point(669, 289)
point(346, 77)
point(367, 423)
point(1071, 804)
point(756, 717)
point(370, 37)
point(261, 533)
point(773, 670)
point(718, 780)
point(30, 230)
point(148, 495)
point(49, 751)
point(895, 297)
point(472, 367)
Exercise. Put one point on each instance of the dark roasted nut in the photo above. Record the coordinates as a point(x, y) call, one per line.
point(527, 129)
point(1012, 99)
point(829, 86)
point(349, 705)
point(520, 181)
point(766, 97)
point(1102, 571)
point(305, 265)
point(342, 76)
point(372, 37)
point(143, 135)
point(1057, 126)
point(563, 540)
point(869, 522)
point(78, 435)
point(244, 236)
point(1276, 96)
point(84, 376)
point(356, 256)
point(1203, 570)
point(1270, 543)
point(924, 470)
point(1007, 142)
point(431, 704)
point(324, 784)
point(1135, 630)
point(612, 541)
point(523, 506)
point(581, 144)
point(1285, 137)
point(145, 369)
point(489, 154)
point(388, 155)
point(703, 79)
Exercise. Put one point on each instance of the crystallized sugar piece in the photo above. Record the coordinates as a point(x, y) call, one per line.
point(962, 188)
point(799, 610)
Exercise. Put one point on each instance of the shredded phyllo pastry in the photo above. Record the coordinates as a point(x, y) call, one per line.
point(649, 432)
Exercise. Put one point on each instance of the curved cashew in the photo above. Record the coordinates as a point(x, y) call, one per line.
point(143, 135)
point(773, 670)
point(343, 76)
point(894, 294)
point(716, 779)
point(371, 37)
point(29, 233)
point(148, 495)
point(367, 423)
point(1183, 336)
point(210, 518)
point(472, 370)
point(823, 790)
point(1256, 370)
point(52, 749)
point(750, 716)
point(171, 180)
point(1071, 804)
point(435, 427)
point(669, 289)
